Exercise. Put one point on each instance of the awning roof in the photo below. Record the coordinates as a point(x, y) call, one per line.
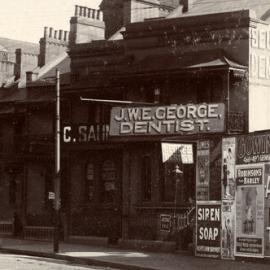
point(192, 60)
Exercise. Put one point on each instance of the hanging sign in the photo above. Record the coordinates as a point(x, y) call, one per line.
point(208, 221)
point(167, 120)
point(249, 236)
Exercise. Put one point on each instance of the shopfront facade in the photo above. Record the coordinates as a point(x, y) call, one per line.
point(167, 106)
point(143, 126)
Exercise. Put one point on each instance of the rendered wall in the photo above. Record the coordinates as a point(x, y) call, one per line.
point(259, 77)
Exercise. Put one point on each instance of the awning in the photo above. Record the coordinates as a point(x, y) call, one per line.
point(199, 59)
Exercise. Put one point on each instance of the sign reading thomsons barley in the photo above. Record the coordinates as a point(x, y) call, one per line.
point(167, 120)
point(208, 221)
point(249, 235)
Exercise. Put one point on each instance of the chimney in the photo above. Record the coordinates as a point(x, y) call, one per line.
point(52, 44)
point(113, 12)
point(118, 13)
point(25, 61)
point(31, 76)
point(86, 25)
point(187, 5)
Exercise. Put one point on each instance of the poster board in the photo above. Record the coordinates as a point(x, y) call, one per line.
point(249, 234)
point(228, 189)
point(208, 223)
point(203, 171)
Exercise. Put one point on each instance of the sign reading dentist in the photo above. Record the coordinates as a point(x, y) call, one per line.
point(167, 120)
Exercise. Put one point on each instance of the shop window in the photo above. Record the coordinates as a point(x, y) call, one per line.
point(146, 178)
point(108, 175)
point(178, 172)
point(89, 190)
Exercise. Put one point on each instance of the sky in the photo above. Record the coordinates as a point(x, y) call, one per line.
point(25, 19)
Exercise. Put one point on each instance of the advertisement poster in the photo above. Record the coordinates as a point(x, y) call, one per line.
point(267, 210)
point(228, 189)
point(249, 236)
point(228, 168)
point(215, 168)
point(228, 227)
point(165, 223)
point(203, 171)
point(208, 221)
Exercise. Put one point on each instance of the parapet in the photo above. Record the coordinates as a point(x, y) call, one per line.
point(95, 14)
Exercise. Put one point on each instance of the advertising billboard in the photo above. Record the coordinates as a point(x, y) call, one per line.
point(249, 236)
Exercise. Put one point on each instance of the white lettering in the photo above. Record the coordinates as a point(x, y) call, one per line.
point(121, 116)
point(66, 136)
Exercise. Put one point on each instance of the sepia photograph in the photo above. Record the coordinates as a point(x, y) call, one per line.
point(135, 134)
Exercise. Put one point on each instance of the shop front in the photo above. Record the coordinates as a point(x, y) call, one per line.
point(172, 156)
point(95, 181)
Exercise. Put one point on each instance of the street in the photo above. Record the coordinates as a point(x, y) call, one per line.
point(21, 262)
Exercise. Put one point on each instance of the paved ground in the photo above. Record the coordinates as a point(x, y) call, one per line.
point(125, 259)
point(21, 262)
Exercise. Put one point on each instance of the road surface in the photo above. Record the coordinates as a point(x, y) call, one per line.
point(21, 262)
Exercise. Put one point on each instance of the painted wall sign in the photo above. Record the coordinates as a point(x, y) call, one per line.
point(85, 133)
point(208, 217)
point(249, 236)
point(203, 171)
point(167, 120)
point(253, 149)
point(260, 55)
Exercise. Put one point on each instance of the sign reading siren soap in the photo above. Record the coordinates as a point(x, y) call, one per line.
point(208, 221)
point(166, 120)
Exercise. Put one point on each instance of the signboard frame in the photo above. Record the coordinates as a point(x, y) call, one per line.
point(210, 254)
point(254, 239)
point(167, 120)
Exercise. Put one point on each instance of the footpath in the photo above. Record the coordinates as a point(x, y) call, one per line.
point(114, 257)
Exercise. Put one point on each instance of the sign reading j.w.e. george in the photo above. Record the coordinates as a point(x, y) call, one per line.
point(167, 120)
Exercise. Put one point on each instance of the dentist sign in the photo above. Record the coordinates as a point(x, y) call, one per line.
point(167, 120)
